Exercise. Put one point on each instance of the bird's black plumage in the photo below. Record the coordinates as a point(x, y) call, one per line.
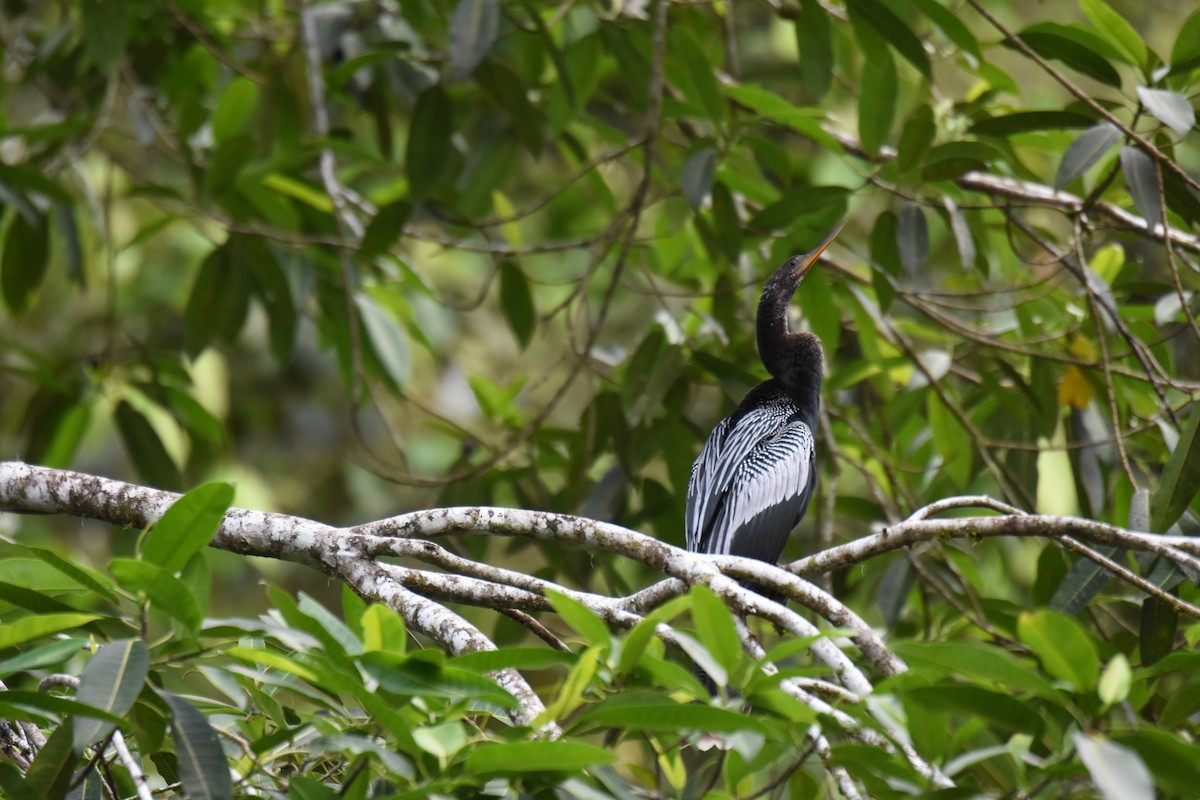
point(754, 478)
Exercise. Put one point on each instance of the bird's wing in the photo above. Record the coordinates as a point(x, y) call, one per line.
point(768, 495)
point(762, 461)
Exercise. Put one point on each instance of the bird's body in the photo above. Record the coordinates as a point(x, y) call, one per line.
point(754, 478)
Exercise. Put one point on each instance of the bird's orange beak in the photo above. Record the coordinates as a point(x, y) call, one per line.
point(805, 262)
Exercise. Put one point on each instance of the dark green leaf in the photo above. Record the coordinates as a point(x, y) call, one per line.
point(1170, 108)
point(1172, 761)
point(697, 178)
point(877, 95)
point(111, 681)
point(516, 300)
point(1180, 478)
point(1026, 121)
point(106, 27)
point(521, 658)
point(547, 756)
point(814, 34)
point(428, 150)
point(219, 299)
point(656, 713)
point(694, 75)
point(473, 31)
point(422, 677)
point(51, 773)
point(1142, 181)
point(726, 223)
point(1002, 709)
point(1083, 582)
point(892, 591)
point(807, 205)
point(383, 229)
point(24, 259)
point(273, 290)
point(912, 238)
point(187, 526)
point(1156, 632)
point(915, 138)
point(57, 652)
point(146, 450)
point(202, 765)
point(975, 660)
point(505, 87)
point(1088, 148)
point(893, 30)
point(1078, 49)
point(962, 233)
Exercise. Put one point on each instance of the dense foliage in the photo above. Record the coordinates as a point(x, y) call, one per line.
point(366, 257)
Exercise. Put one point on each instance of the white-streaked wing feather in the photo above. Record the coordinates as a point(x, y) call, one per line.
point(750, 484)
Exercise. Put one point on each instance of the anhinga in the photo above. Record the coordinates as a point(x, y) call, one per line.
point(752, 481)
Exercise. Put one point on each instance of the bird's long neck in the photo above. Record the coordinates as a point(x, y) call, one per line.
point(796, 360)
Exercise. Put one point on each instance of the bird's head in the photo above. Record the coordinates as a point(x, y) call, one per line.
point(800, 265)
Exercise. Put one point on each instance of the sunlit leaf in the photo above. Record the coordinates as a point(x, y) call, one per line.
point(1062, 646)
point(1170, 108)
point(548, 756)
point(1113, 27)
point(187, 526)
point(1118, 772)
point(234, 108)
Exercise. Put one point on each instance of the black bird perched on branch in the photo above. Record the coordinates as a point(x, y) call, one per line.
point(752, 481)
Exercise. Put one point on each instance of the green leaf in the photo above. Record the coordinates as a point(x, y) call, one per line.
point(1088, 148)
point(1118, 772)
point(26, 629)
point(548, 756)
point(697, 177)
point(878, 89)
point(581, 619)
point(203, 768)
point(1142, 181)
point(1078, 49)
point(891, 592)
point(505, 87)
point(1062, 645)
point(516, 301)
point(692, 71)
point(984, 663)
point(383, 229)
point(53, 769)
point(111, 681)
point(145, 449)
point(1115, 680)
point(1000, 709)
point(106, 28)
point(808, 205)
point(24, 259)
point(219, 300)
point(428, 150)
point(653, 712)
point(234, 108)
point(1156, 632)
point(893, 30)
point(167, 593)
point(770, 106)
point(273, 290)
point(1083, 582)
point(961, 231)
point(1187, 42)
point(187, 526)
point(726, 222)
point(473, 31)
point(715, 627)
point(335, 631)
point(1170, 108)
point(419, 676)
point(515, 657)
point(916, 137)
point(388, 340)
point(1113, 27)
point(55, 653)
point(1026, 121)
point(814, 35)
point(951, 26)
point(1172, 761)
